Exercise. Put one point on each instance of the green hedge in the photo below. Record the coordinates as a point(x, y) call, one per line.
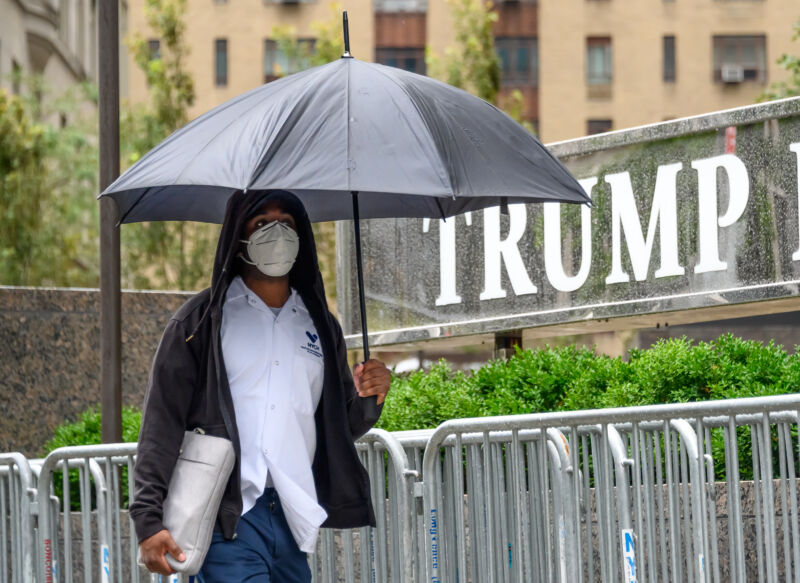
point(569, 378)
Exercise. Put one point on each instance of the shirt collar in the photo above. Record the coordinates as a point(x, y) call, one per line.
point(238, 289)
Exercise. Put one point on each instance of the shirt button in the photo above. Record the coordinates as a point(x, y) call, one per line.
point(266, 451)
point(272, 406)
point(277, 363)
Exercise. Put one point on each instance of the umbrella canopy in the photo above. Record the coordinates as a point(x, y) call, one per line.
point(410, 146)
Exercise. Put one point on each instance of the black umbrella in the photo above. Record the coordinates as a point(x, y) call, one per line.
point(352, 140)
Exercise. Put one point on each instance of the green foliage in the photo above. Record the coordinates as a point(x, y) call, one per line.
point(48, 181)
point(472, 63)
point(22, 188)
point(569, 378)
point(87, 431)
point(790, 64)
point(175, 254)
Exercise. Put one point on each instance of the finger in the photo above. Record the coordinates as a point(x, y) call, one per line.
point(373, 364)
point(377, 380)
point(174, 550)
point(158, 565)
point(163, 566)
point(376, 373)
point(374, 388)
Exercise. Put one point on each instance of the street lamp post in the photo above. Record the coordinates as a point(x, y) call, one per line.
point(110, 329)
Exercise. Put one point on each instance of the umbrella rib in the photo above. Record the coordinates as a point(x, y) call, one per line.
point(256, 103)
point(266, 157)
point(425, 123)
point(347, 122)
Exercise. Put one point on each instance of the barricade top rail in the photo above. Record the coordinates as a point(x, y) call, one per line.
point(619, 415)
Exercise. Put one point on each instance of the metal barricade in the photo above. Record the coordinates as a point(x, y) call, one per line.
point(16, 521)
point(499, 505)
point(86, 544)
point(630, 495)
point(380, 553)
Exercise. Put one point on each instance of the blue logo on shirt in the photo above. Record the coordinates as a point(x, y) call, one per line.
point(312, 347)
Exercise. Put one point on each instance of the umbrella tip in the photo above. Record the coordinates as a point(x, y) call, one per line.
point(346, 31)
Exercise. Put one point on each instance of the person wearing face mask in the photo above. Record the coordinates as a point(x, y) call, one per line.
point(259, 359)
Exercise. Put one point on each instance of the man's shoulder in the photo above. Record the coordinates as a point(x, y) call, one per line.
point(193, 307)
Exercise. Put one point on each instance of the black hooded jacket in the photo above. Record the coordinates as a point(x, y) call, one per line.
point(188, 388)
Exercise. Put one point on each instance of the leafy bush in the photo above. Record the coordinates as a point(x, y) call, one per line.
point(87, 431)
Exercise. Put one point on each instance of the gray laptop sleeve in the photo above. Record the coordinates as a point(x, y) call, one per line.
point(195, 491)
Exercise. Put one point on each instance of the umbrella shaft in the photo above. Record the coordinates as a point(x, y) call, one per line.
point(360, 271)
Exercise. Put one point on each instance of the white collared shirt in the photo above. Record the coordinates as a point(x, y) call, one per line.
point(275, 370)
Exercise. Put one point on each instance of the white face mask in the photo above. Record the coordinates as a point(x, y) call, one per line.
point(272, 249)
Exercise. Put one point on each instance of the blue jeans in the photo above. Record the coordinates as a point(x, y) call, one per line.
point(264, 550)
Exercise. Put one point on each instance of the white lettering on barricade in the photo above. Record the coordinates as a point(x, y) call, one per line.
point(506, 251)
point(796, 149)
point(553, 261)
point(707, 210)
point(625, 217)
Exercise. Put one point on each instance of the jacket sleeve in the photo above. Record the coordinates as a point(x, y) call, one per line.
point(169, 394)
point(362, 413)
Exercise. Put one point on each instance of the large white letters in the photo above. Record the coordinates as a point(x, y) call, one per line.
point(796, 149)
point(447, 259)
point(707, 211)
point(625, 217)
point(497, 252)
point(553, 263)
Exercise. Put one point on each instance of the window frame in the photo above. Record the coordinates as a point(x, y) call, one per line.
point(669, 73)
point(221, 58)
point(722, 42)
point(512, 76)
point(402, 53)
point(606, 76)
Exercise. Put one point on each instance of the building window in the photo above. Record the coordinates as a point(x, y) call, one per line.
point(669, 59)
point(597, 126)
point(519, 60)
point(279, 61)
point(16, 77)
point(154, 49)
point(409, 59)
point(740, 58)
point(221, 62)
point(598, 60)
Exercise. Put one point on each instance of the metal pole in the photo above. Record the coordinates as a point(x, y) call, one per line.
point(360, 271)
point(110, 335)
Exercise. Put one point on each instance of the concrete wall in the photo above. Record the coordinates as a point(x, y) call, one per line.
point(50, 356)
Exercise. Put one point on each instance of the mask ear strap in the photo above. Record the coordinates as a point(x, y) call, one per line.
point(241, 256)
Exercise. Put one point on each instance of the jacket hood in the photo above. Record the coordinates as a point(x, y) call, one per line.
point(304, 276)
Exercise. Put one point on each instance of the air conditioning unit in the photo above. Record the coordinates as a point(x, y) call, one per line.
point(732, 73)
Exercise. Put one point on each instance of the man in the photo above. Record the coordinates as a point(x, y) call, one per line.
point(259, 359)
